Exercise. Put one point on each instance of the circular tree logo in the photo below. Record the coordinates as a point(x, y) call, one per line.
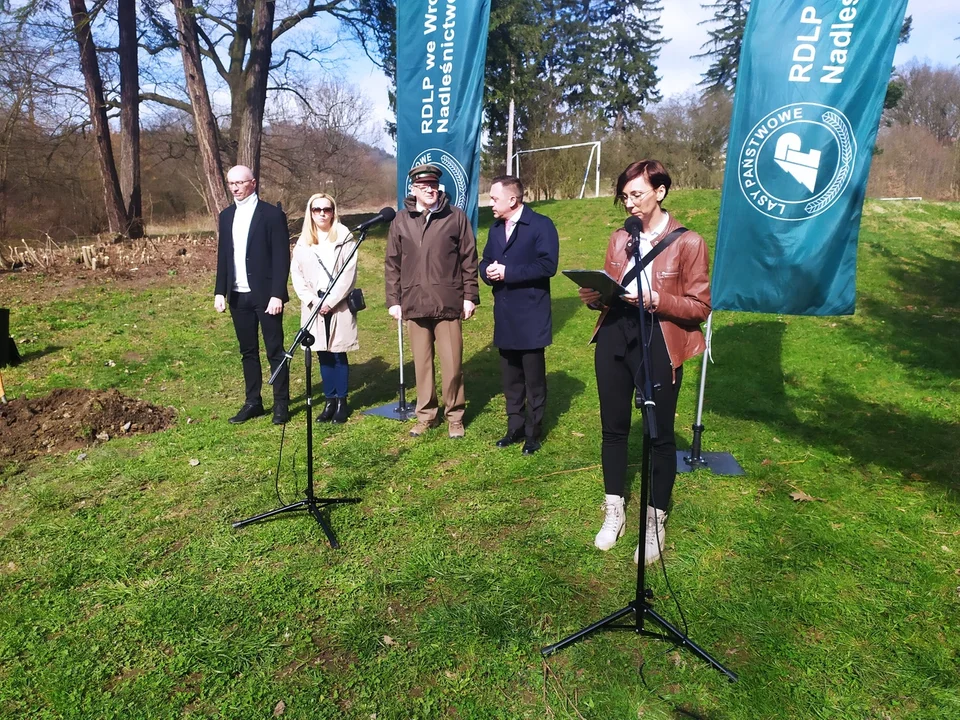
point(797, 161)
point(453, 175)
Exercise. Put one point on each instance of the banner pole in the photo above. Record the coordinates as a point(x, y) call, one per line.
point(393, 410)
point(719, 463)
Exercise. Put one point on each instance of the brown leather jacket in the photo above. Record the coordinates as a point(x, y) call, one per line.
point(680, 276)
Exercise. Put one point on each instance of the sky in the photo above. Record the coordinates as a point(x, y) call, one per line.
point(935, 25)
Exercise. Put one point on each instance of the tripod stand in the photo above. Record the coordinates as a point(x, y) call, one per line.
point(640, 606)
point(311, 503)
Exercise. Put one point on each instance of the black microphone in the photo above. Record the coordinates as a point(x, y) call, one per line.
point(634, 226)
point(386, 215)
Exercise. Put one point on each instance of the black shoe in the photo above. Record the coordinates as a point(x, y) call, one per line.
point(281, 416)
point(531, 446)
point(247, 412)
point(342, 411)
point(326, 415)
point(510, 438)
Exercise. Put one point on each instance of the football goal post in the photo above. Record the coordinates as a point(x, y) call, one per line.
point(594, 150)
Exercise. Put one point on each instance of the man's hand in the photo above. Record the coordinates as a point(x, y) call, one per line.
point(275, 306)
point(325, 309)
point(495, 271)
point(395, 313)
point(589, 296)
point(219, 303)
point(631, 298)
point(468, 309)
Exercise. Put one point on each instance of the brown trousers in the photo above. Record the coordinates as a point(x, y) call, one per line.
point(447, 336)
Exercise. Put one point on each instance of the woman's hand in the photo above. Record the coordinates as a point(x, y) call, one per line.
point(647, 303)
point(325, 309)
point(634, 300)
point(589, 296)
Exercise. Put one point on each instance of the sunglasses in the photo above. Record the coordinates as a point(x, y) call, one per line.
point(321, 209)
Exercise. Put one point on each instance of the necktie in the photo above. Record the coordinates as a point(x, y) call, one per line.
point(510, 226)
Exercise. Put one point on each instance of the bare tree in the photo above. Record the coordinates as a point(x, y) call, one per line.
point(130, 116)
point(113, 198)
point(931, 99)
point(239, 41)
point(205, 124)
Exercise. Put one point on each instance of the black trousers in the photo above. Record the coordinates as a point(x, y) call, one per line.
point(247, 316)
point(524, 377)
point(619, 366)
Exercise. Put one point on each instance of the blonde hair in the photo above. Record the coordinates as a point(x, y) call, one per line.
point(308, 236)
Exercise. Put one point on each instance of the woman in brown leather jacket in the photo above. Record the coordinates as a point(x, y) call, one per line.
point(675, 292)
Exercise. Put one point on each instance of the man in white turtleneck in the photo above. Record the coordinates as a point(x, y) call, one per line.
point(253, 262)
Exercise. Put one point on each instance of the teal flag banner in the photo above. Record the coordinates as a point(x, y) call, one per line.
point(441, 55)
point(811, 82)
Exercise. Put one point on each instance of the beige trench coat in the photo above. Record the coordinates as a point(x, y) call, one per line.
point(312, 268)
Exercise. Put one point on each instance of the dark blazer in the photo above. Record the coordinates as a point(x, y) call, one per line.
point(268, 254)
point(521, 303)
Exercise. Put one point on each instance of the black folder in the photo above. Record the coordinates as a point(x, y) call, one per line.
point(597, 280)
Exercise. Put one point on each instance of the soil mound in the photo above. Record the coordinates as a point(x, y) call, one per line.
point(72, 418)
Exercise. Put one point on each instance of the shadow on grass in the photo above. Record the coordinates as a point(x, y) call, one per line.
point(562, 387)
point(921, 329)
point(870, 433)
point(481, 372)
point(39, 353)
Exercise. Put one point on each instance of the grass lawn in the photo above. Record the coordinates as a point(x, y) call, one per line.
point(125, 593)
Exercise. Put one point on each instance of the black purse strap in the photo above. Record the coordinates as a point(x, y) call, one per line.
point(648, 258)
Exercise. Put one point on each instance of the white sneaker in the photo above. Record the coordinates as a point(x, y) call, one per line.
point(655, 536)
point(614, 522)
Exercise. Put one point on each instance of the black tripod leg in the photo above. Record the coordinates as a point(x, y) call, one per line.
point(270, 513)
point(327, 530)
point(589, 630)
point(676, 636)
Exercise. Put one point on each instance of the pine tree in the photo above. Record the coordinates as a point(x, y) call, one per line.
point(625, 41)
point(724, 44)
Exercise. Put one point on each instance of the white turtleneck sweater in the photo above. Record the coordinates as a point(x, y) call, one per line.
point(241, 231)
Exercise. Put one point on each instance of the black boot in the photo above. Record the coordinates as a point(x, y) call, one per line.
point(343, 411)
point(281, 415)
point(326, 415)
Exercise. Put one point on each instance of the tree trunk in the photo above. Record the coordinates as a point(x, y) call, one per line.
point(130, 117)
point(205, 124)
point(236, 76)
point(255, 87)
point(113, 198)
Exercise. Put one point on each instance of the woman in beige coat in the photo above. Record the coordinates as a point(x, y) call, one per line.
point(325, 246)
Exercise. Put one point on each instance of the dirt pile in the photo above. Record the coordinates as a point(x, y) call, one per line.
point(72, 418)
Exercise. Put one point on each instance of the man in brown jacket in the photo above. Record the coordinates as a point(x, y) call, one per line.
point(431, 282)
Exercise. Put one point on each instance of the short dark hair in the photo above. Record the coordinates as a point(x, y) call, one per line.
point(511, 183)
point(652, 171)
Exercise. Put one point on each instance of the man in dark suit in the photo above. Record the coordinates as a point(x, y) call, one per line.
point(253, 262)
point(519, 259)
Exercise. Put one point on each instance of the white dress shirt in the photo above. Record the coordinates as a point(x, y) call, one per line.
point(510, 224)
point(241, 231)
point(645, 247)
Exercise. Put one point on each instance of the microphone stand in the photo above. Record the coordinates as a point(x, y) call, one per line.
point(640, 605)
point(310, 502)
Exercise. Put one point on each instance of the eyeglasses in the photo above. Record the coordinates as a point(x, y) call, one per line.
point(634, 197)
point(239, 183)
point(427, 186)
point(321, 209)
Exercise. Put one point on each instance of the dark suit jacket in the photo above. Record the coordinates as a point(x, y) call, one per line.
point(521, 303)
point(268, 254)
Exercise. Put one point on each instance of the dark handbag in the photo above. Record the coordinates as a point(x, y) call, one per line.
point(355, 300)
